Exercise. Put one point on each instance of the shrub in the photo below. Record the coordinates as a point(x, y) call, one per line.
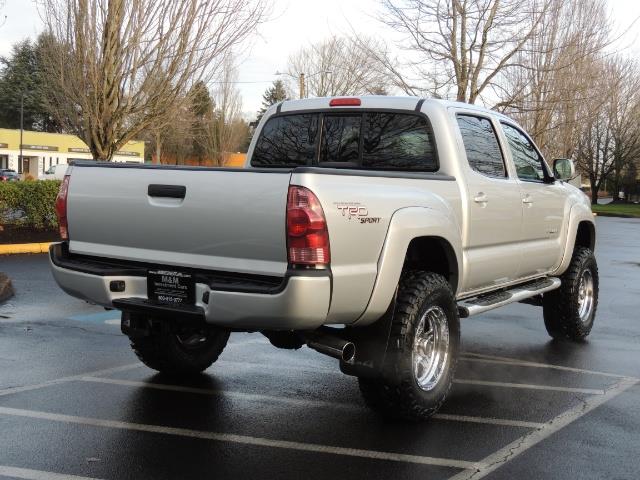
point(29, 203)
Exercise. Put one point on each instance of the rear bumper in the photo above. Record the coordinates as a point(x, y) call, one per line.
point(301, 300)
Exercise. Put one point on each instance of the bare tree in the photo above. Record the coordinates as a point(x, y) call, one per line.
point(119, 67)
point(464, 45)
point(608, 137)
point(556, 75)
point(339, 66)
point(225, 127)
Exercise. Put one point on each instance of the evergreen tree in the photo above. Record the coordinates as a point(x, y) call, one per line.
point(21, 74)
point(272, 95)
point(201, 109)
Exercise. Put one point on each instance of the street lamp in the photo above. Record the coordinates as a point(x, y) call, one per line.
point(301, 79)
point(20, 162)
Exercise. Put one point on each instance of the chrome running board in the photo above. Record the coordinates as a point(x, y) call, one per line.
point(518, 293)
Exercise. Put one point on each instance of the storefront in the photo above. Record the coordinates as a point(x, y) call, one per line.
point(40, 151)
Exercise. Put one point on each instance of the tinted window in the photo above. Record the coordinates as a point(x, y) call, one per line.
point(481, 145)
point(287, 141)
point(340, 138)
point(526, 158)
point(394, 140)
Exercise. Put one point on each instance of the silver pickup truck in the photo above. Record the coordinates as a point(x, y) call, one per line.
point(364, 228)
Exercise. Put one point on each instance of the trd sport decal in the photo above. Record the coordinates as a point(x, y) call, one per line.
point(357, 211)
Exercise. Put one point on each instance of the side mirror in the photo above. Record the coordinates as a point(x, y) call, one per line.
point(563, 169)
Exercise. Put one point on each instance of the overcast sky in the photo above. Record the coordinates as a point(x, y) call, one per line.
point(293, 24)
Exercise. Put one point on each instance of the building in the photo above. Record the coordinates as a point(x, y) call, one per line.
point(41, 150)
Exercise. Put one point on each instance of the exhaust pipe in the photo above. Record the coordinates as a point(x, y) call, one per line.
point(326, 340)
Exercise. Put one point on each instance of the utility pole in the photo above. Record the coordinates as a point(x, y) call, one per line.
point(20, 162)
point(302, 92)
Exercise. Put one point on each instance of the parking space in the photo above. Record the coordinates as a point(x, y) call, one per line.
point(300, 407)
point(75, 403)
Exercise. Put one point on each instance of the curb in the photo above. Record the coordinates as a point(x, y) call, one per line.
point(14, 248)
point(615, 215)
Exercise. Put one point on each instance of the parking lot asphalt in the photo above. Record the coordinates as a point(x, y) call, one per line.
point(75, 403)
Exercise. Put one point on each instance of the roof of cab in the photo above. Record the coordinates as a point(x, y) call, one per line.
point(376, 102)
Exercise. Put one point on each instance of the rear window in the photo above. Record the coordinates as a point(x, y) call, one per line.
point(398, 141)
point(369, 140)
point(287, 141)
point(340, 139)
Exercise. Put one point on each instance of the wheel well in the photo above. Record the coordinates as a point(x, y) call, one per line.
point(433, 254)
point(586, 235)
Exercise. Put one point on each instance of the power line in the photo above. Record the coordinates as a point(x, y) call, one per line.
point(254, 81)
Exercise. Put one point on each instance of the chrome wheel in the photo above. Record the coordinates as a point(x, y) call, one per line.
point(585, 296)
point(431, 348)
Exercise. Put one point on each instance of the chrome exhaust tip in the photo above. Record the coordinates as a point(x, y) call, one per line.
point(326, 341)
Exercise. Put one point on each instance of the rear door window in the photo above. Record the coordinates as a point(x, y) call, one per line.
point(398, 141)
point(340, 139)
point(287, 141)
point(481, 146)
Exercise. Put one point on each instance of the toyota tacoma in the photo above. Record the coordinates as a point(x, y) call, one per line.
point(362, 227)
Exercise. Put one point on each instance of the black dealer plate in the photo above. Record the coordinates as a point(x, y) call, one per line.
point(171, 288)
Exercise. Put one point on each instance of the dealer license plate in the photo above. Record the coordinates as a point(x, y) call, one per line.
point(171, 288)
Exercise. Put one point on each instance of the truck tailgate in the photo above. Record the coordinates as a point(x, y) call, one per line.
point(228, 220)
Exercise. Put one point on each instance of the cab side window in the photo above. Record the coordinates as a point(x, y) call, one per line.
point(481, 145)
point(528, 162)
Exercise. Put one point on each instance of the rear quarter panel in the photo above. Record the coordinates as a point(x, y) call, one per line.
point(359, 210)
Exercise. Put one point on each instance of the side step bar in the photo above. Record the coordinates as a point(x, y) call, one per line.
point(489, 301)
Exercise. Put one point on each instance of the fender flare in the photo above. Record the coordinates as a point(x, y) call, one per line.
point(407, 224)
point(579, 213)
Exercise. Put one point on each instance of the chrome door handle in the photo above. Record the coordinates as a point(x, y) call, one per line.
point(480, 198)
point(527, 200)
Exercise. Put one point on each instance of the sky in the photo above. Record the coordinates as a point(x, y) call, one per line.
point(293, 24)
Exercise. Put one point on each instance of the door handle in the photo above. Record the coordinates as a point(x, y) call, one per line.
point(167, 191)
point(527, 200)
point(480, 198)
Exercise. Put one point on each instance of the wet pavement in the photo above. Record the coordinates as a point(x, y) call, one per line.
point(75, 401)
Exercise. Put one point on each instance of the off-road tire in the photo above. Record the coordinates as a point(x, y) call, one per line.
point(399, 396)
point(163, 351)
point(561, 306)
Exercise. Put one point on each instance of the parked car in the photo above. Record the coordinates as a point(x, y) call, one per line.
point(55, 172)
point(8, 175)
point(364, 228)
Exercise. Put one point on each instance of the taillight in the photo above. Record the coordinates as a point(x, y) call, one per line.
point(61, 208)
point(307, 234)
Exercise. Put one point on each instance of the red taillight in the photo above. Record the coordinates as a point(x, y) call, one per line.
point(344, 102)
point(61, 208)
point(307, 234)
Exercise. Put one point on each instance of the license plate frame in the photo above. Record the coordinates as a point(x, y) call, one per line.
point(169, 287)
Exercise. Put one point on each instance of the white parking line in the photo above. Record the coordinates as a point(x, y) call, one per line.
point(243, 439)
point(477, 357)
point(71, 378)
point(515, 448)
point(280, 367)
point(302, 402)
point(488, 420)
point(255, 397)
point(588, 391)
point(27, 473)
